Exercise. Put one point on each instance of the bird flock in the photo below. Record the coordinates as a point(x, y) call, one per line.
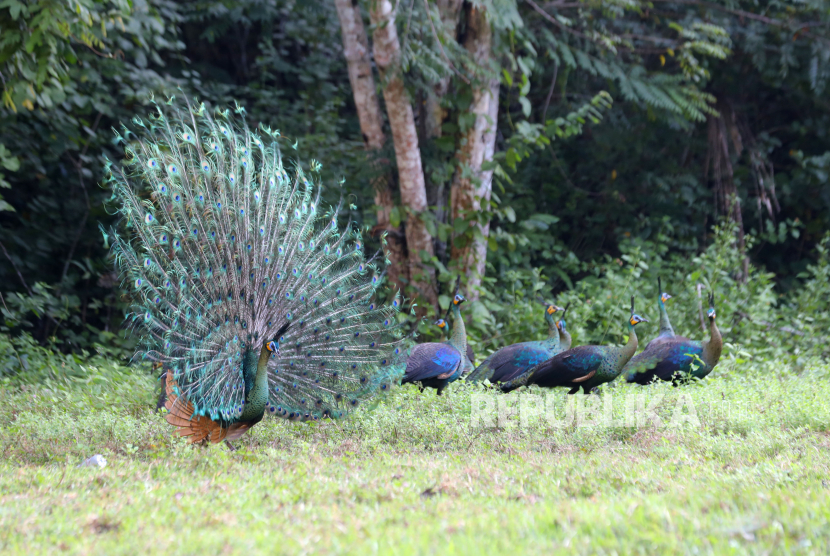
point(254, 300)
point(552, 362)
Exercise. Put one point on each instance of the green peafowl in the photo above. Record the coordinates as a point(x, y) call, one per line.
point(565, 339)
point(244, 289)
point(513, 360)
point(677, 357)
point(666, 331)
point(583, 367)
point(435, 364)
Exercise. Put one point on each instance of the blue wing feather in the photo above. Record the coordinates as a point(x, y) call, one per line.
point(432, 360)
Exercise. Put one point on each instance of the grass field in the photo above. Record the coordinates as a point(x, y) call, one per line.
point(746, 470)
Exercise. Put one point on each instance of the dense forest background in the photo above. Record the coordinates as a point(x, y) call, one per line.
point(568, 150)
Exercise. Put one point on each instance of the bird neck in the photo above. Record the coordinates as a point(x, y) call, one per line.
point(665, 325)
point(712, 347)
point(628, 350)
point(553, 331)
point(565, 339)
point(458, 339)
point(255, 374)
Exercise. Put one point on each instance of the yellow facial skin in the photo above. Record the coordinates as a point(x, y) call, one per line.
point(665, 297)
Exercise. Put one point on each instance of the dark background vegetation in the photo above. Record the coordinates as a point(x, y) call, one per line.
point(585, 218)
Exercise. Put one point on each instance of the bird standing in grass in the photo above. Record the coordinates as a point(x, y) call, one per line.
point(677, 357)
point(583, 367)
point(513, 360)
point(243, 286)
point(436, 364)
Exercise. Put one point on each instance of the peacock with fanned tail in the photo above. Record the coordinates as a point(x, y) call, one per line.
point(675, 358)
point(245, 289)
point(513, 360)
point(583, 367)
point(437, 364)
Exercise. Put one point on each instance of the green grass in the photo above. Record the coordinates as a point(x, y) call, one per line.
point(414, 477)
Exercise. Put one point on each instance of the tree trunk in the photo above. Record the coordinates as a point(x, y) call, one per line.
point(433, 115)
point(356, 50)
point(727, 200)
point(471, 187)
point(448, 11)
point(387, 50)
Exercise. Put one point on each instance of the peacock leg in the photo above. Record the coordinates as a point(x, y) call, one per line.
point(230, 446)
point(574, 390)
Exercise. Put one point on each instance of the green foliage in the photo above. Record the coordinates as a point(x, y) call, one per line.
point(36, 47)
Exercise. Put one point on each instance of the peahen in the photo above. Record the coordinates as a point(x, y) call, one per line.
point(511, 361)
point(677, 357)
point(583, 367)
point(436, 364)
point(244, 288)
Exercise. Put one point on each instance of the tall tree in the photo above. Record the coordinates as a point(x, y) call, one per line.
point(356, 50)
point(471, 186)
point(387, 51)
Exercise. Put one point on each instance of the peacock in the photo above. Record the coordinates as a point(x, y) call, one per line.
point(243, 286)
point(583, 367)
point(678, 357)
point(666, 331)
point(513, 360)
point(565, 339)
point(436, 364)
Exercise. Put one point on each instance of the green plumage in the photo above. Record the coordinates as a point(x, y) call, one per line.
point(225, 244)
point(582, 367)
point(513, 360)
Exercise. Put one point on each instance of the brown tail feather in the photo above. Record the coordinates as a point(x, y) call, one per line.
point(197, 427)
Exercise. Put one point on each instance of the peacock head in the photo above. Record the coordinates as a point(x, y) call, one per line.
point(273, 346)
point(561, 325)
point(663, 295)
point(440, 323)
point(635, 319)
point(551, 310)
point(458, 299)
point(711, 312)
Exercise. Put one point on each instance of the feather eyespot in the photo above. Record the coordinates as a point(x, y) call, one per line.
point(195, 231)
point(205, 167)
point(152, 163)
point(138, 283)
point(249, 247)
point(172, 169)
point(215, 147)
point(148, 218)
point(163, 239)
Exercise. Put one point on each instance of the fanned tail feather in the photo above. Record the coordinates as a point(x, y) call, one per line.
point(226, 244)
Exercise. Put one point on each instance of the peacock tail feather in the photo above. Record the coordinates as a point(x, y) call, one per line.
point(226, 243)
